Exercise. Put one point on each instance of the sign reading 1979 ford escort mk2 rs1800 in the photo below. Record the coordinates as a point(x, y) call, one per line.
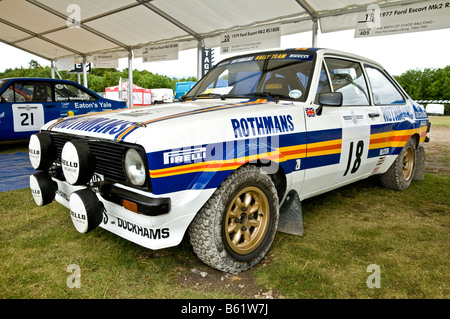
point(232, 162)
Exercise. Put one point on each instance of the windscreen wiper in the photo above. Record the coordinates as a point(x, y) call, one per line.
point(267, 95)
point(207, 95)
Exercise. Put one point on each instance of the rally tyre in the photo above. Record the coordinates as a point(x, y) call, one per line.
point(235, 229)
point(401, 173)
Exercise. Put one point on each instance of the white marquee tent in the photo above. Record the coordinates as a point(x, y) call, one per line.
point(55, 29)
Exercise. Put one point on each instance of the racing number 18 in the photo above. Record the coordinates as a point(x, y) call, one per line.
point(358, 153)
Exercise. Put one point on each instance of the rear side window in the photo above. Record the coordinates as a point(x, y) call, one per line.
point(28, 92)
point(347, 77)
point(383, 90)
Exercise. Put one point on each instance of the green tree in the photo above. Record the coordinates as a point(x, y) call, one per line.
point(427, 84)
point(99, 79)
point(34, 64)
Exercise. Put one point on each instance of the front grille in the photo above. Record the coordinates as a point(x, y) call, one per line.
point(109, 156)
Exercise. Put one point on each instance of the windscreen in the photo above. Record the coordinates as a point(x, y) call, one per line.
point(282, 75)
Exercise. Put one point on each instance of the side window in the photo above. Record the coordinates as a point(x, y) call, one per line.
point(324, 84)
point(8, 95)
point(384, 92)
point(22, 93)
point(26, 92)
point(42, 92)
point(67, 93)
point(347, 77)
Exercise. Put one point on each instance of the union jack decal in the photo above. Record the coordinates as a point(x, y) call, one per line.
point(310, 112)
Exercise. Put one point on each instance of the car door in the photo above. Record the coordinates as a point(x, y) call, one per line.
point(338, 138)
point(30, 105)
point(6, 117)
point(389, 131)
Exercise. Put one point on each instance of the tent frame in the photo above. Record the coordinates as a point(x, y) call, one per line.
point(307, 14)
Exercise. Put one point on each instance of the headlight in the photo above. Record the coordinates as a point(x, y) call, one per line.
point(135, 167)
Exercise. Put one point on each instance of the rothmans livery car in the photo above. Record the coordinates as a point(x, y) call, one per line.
point(232, 162)
point(26, 104)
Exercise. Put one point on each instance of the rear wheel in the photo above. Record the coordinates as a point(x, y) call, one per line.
point(400, 175)
point(236, 227)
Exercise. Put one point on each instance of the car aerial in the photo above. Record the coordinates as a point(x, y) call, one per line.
point(231, 163)
point(26, 104)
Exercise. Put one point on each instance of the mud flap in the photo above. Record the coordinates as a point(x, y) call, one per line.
point(291, 219)
point(419, 171)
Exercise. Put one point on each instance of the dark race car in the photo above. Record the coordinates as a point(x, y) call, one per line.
point(26, 104)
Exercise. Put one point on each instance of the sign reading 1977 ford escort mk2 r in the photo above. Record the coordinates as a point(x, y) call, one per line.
point(232, 162)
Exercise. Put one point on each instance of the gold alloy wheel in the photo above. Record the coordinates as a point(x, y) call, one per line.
point(247, 220)
point(408, 163)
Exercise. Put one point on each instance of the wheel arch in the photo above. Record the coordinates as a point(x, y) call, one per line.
point(276, 173)
point(416, 138)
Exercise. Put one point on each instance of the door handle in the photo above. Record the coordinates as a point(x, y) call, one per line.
point(372, 115)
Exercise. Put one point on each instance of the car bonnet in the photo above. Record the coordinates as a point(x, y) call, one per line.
point(128, 125)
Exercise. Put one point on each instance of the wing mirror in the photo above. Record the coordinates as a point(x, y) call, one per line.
point(329, 99)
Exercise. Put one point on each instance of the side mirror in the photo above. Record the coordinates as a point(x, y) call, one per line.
point(330, 99)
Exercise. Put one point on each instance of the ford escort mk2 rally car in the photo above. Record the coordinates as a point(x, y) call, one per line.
point(232, 162)
point(26, 104)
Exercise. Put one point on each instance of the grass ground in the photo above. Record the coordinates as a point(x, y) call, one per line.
point(406, 234)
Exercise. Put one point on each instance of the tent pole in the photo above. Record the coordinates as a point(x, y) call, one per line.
point(315, 29)
point(130, 78)
point(199, 60)
point(53, 69)
point(85, 81)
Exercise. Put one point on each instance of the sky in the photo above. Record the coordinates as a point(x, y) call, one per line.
point(397, 53)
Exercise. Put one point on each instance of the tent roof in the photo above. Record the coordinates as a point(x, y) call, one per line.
point(41, 27)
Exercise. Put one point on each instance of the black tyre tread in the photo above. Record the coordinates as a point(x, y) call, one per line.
point(393, 178)
point(205, 229)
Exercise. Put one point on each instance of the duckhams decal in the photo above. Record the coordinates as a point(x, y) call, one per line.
point(143, 231)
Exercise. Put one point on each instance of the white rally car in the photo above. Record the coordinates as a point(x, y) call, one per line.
point(232, 162)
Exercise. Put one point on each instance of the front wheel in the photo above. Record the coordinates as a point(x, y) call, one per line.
point(400, 175)
point(236, 227)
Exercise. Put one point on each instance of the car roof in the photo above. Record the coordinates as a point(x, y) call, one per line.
point(38, 79)
point(47, 80)
point(318, 51)
point(346, 54)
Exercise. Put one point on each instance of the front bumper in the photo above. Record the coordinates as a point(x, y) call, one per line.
point(153, 232)
point(140, 204)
